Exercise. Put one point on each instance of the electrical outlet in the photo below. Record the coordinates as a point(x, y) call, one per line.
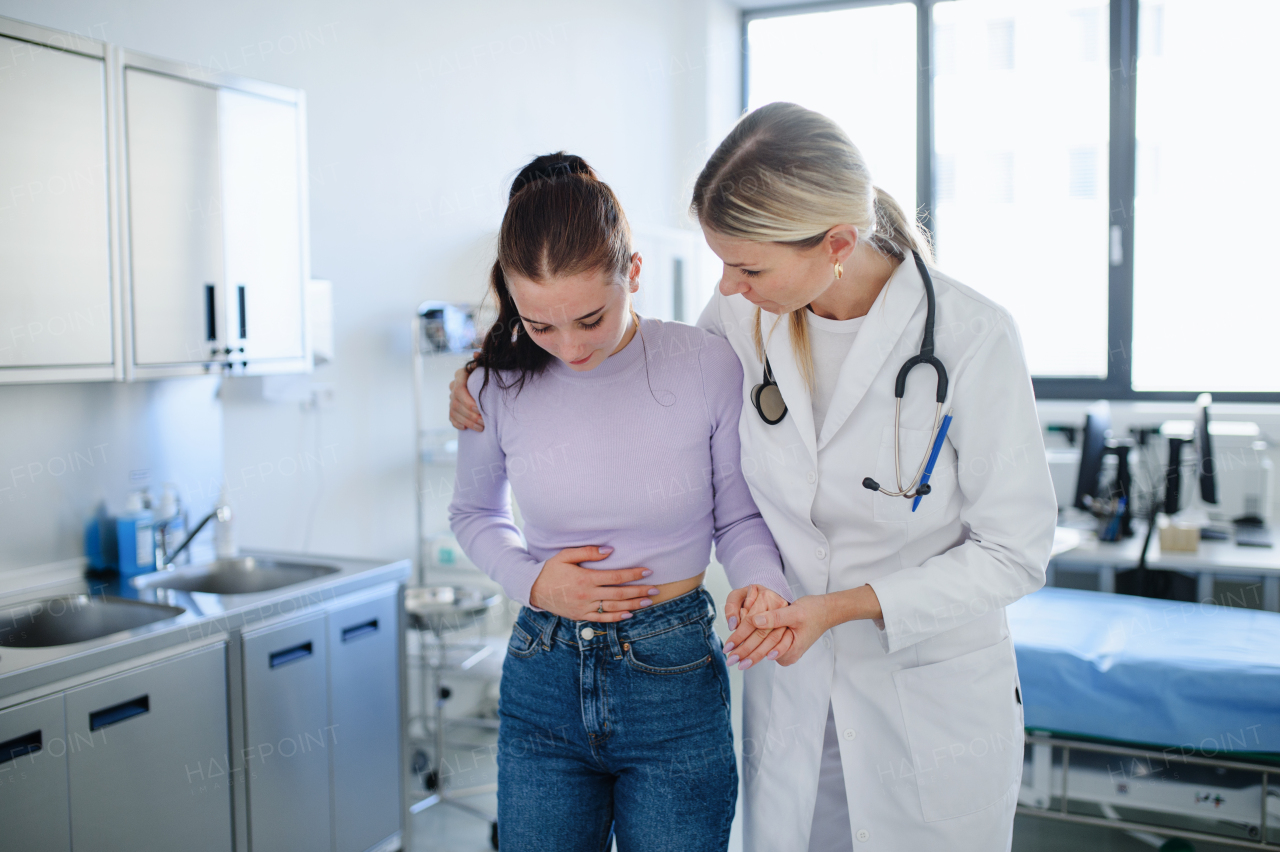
point(321, 395)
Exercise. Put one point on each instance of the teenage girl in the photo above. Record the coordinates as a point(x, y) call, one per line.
point(619, 437)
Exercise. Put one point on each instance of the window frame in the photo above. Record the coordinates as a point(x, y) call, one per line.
point(1121, 187)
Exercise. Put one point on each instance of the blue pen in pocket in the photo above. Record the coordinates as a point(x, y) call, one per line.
point(933, 458)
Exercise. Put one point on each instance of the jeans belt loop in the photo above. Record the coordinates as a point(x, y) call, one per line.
point(549, 631)
point(615, 644)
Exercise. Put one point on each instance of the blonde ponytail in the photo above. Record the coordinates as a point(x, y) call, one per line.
point(894, 226)
point(786, 174)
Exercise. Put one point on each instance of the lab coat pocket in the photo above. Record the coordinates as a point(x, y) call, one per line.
point(914, 446)
point(963, 730)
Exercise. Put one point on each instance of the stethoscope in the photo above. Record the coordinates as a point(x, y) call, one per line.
point(768, 402)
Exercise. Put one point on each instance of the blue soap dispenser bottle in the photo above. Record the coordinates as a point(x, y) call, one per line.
point(135, 537)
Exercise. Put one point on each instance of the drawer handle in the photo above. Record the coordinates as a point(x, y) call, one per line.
point(18, 746)
point(119, 712)
point(240, 296)
point(288, 655)
point(358, 630)
point(210, 313)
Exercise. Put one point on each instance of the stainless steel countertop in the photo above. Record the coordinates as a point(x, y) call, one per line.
point(25, 669)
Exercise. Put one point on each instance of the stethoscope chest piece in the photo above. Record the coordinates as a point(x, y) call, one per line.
point(767, 398)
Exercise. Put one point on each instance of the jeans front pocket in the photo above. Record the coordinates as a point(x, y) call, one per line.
point(681, 649)
point(522, 644)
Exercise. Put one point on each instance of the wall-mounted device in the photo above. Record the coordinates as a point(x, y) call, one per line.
point(446, 327)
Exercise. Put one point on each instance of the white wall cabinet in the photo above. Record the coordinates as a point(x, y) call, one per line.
point(58, 308)
point(175, 219)
point(216, 217)
point(261, 195)
point(153, 217)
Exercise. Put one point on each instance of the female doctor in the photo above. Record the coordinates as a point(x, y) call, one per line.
point(895, 719)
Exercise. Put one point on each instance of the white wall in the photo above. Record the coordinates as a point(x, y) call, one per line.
point(419, 115)
point(64, 448)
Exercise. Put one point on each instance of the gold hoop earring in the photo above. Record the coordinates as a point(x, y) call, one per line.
point(839, 270)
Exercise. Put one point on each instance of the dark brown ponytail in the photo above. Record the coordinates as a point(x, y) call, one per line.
point(561, 220)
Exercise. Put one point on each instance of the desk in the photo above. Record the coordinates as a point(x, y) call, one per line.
point(1215, 559)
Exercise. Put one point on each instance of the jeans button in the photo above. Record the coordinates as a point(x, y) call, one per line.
point(587, 634)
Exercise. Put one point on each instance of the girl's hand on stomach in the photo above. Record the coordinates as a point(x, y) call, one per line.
point(463, 411)
point(568, 590)
point(746, 643)
point(809, 617)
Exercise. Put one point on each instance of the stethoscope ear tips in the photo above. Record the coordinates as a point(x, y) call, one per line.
point(923, 489)
point(870, 484)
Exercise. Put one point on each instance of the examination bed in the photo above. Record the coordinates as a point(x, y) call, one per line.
point(1158, 717)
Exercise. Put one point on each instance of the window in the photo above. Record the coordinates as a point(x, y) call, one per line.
point(1105, 169)
point(1000, 45)
point(856, 66)
point(1090, 33)
point(1022, 118)
point(944, 178)
point(1206, 292)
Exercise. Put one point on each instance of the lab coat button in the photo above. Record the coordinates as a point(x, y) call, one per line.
point(850, 733)
point(587, 634)
point(813, 477)
point(826, 641)
point(863, 835)
point(820, 553)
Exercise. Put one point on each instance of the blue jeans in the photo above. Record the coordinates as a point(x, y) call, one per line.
point(616, 729)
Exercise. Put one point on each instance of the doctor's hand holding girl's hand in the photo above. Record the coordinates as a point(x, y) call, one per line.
point(566, 589)
point(463, 411)
point(813, 615)
point(747, 646)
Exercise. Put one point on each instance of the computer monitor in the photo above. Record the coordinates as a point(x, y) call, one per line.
point(1093, 446)
point(1204, 444)
point(1173, 475)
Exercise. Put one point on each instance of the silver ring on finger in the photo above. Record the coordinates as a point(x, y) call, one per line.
point(600, 609)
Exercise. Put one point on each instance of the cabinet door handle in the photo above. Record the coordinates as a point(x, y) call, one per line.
point(240, 296)
point(355, 631)
point(18, 746)
point(210, 314)
point(288, 655)
point(119, 712)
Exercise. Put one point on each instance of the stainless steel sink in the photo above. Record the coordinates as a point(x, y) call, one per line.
point(243, 575)
point(75, 618)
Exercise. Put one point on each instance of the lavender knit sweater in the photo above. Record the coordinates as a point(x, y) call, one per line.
point(640, 454)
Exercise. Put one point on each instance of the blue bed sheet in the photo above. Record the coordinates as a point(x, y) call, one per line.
point(1179, 675)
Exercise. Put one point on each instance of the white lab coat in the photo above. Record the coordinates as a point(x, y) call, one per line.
point(930, 726)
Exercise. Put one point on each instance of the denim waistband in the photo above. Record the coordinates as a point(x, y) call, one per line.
point(691, 606)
